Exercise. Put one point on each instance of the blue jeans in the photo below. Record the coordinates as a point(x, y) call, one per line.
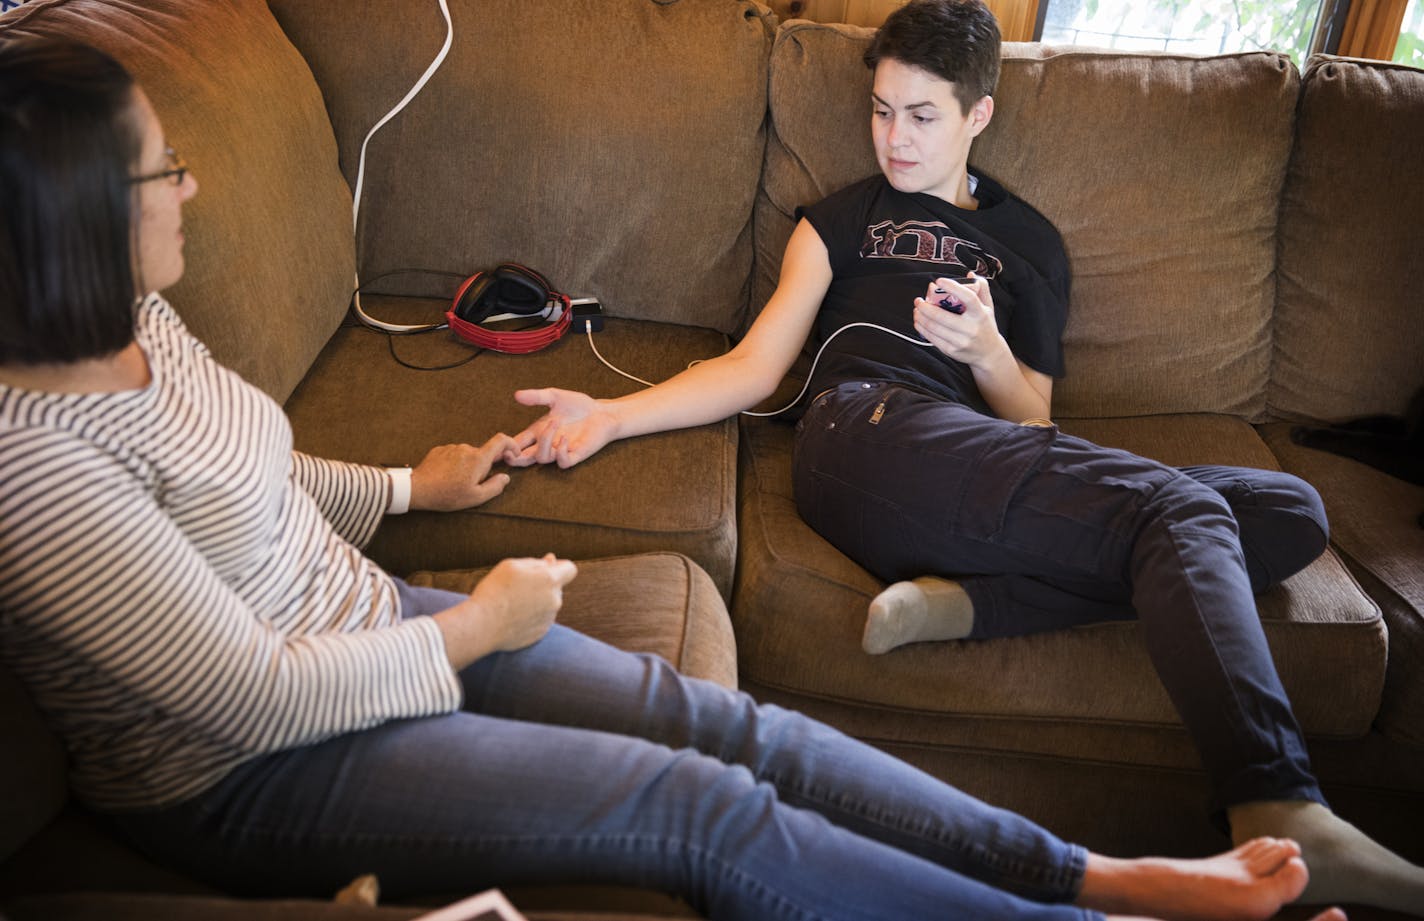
point(1046, 531)
point(576, 762)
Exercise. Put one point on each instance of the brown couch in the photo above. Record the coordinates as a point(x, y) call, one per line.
point(1240, 234)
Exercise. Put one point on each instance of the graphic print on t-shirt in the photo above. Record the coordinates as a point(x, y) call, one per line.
point(928, 241)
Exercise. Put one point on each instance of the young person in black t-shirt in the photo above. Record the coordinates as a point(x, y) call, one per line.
point(928, 453)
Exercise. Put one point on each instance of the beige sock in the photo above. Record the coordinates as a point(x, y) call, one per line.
point(363, 890)
point(1345, 864)
point(924, 610)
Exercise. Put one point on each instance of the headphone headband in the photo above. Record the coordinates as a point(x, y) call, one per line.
point(510, 289)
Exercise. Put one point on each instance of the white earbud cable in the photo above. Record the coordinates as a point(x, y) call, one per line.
point(809, 374)
point(402, 328)
point(817, 360)
point(361, 175)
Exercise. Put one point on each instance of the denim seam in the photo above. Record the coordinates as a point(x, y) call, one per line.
point(1060, 882)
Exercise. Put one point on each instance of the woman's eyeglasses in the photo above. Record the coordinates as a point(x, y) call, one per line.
point(176, 173)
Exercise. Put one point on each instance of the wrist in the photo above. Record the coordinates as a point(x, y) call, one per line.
point(465, 629)
point(995, 361)
point(617, 412)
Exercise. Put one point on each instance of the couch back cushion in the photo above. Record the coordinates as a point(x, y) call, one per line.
point(1163, 174)
point(270, 253)
point(1350, 322)
point(617, 153)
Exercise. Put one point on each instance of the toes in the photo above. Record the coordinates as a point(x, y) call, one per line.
point(1263, 856)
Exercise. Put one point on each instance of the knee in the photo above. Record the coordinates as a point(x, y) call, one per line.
point(1182, 501)
point(1283, 531)
point(1302, 503)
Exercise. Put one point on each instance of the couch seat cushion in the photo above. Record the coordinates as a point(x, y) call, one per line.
point(1377, 526)
point(662, 603)
point(1327, 637)
point(672, 491)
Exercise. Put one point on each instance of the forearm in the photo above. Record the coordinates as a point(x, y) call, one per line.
point(352, 497)
point(707, 392)
point(1002, 382)
point(577, 425)
point(468, 631)
point(149, 616)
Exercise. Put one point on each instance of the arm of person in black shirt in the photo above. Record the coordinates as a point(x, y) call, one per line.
point(578, 425)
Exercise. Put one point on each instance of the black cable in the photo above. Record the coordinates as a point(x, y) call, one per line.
point(351, 321)
point(391, 336)
point(391, 346)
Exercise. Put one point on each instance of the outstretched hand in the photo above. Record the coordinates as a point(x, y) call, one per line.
point(453, 477)
point(575, 427)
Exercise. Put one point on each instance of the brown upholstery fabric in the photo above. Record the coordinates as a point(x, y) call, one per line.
point(1114, 788)
point(105, 906)
point(269, 245)
point(618, 154)
point(1327, 637)
point(111, 906)
point(33, 763)
point(79, 852)
point(661, 603)
point(672, 491)
point(1170, 228)
point(1375, 525)
point(1350, 322)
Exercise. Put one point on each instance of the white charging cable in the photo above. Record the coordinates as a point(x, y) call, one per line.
point(809, 374)
point(403, 328)
point(361, 175)
point(817, 360)
point(588, 328)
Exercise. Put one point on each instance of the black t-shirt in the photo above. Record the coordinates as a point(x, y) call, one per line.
point(886, 246)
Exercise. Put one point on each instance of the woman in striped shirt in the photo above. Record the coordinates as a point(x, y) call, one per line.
point(256, 703)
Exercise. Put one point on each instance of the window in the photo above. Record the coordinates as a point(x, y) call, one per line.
point(1188, 26)
point(1355, 28)
point(1410, 49)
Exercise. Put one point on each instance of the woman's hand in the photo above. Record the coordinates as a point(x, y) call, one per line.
point(512, 607)
point(972, 336)
point(452, 477)
point(575, 427)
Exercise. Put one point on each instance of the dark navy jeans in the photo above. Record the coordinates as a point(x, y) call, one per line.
point(1046, 531)
point(573, 761)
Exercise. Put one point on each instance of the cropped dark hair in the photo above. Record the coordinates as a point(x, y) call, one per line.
point(956, 40)
point(69, 136)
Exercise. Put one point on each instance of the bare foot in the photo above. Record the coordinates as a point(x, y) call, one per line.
point(1331, 914)
point(1250, 883)
point(926, 609)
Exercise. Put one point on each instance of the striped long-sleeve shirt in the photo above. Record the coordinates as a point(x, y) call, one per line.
point(181, 591)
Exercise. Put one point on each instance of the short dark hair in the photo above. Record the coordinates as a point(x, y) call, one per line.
point(69, 138)
point(956, 40)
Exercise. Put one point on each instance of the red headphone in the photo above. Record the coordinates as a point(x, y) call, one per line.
point(511, 289)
